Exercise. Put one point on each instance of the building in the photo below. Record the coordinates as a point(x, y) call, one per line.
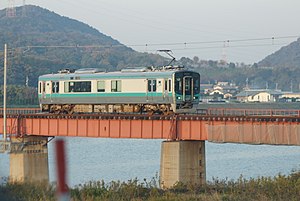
point(262, 95)
point(225, 89)
point(206, 88)
point(290, 97)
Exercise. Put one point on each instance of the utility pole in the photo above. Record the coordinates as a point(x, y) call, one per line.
point(224, 55)
point(4, 93)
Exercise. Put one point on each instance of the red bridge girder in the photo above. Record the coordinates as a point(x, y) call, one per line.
point(281, 130)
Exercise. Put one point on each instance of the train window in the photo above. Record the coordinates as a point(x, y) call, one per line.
point(66, 87)
point(178, 86)
point(101, 86)
point(170, 85)
point(55, 87)
point(40, 90)
point(151, 85)
point(166, 85)
point(178, 82)
point(71, 87)
point(84, 86)
point(196, 83)
point(187, 85)
point(44, 87)
point(116, 86)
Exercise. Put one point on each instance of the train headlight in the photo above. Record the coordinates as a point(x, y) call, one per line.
point(178, 97)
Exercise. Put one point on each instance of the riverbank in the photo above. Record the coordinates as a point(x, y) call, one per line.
point(280, 187)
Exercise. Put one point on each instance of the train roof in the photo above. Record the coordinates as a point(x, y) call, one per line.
point(94, 74)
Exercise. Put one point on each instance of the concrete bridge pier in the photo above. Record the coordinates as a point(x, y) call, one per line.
point(182, 161)
point(29, 159)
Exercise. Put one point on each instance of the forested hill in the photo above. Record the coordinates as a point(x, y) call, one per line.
point(41, 27)
point(287, 57)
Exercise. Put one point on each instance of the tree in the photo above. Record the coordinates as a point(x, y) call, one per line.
point(255, 65)
point(196, 59)
point(231, 65)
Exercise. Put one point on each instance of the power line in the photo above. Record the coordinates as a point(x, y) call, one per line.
point(220, 41)
point(218, 47)
point(185, 44)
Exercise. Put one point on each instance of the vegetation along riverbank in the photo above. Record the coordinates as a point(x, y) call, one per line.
point(280, 187)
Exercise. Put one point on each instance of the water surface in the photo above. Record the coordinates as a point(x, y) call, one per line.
point(123, 159)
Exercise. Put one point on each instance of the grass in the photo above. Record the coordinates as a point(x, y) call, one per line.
point(280, 187)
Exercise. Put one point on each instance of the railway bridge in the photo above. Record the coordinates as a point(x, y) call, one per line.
point(182, 152)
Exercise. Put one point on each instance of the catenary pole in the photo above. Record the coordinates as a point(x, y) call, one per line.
point(4, 93)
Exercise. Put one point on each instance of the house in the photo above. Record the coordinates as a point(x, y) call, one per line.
point(206, 88)
point(262, 95)
point(290, 97)
point(224, 89)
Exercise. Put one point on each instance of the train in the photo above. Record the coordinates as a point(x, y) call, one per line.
point(161, 90)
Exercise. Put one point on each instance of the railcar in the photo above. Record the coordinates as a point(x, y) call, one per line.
point(136, 90)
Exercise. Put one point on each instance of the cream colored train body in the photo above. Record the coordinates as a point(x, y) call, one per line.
point(129, 91)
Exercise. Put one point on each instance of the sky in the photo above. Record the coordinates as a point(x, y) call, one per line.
point(232, 30)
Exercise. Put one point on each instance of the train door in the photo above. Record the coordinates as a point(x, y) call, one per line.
point(42, 89)
point(151, 91)
point(167, 89)
point(188, 89)
point(55, 90)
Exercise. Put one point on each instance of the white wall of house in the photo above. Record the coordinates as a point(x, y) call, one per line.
point(261, 97)
point(216, 92)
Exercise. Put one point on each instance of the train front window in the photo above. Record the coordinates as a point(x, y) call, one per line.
point(196, 83)
point(178, 86)
point(187, 85)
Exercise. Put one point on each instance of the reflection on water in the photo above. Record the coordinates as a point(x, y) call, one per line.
point(124, 159)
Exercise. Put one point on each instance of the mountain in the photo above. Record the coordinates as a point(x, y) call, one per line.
point(286, 57)
point(33, 41)
point(44, 42)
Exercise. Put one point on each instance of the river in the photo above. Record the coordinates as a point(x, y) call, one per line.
point(91, 159)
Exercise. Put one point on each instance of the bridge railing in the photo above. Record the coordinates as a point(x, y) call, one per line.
point(21, 110)
point(209, 111)
point(251, 112)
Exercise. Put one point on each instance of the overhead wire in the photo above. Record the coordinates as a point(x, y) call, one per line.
point(221, 42)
